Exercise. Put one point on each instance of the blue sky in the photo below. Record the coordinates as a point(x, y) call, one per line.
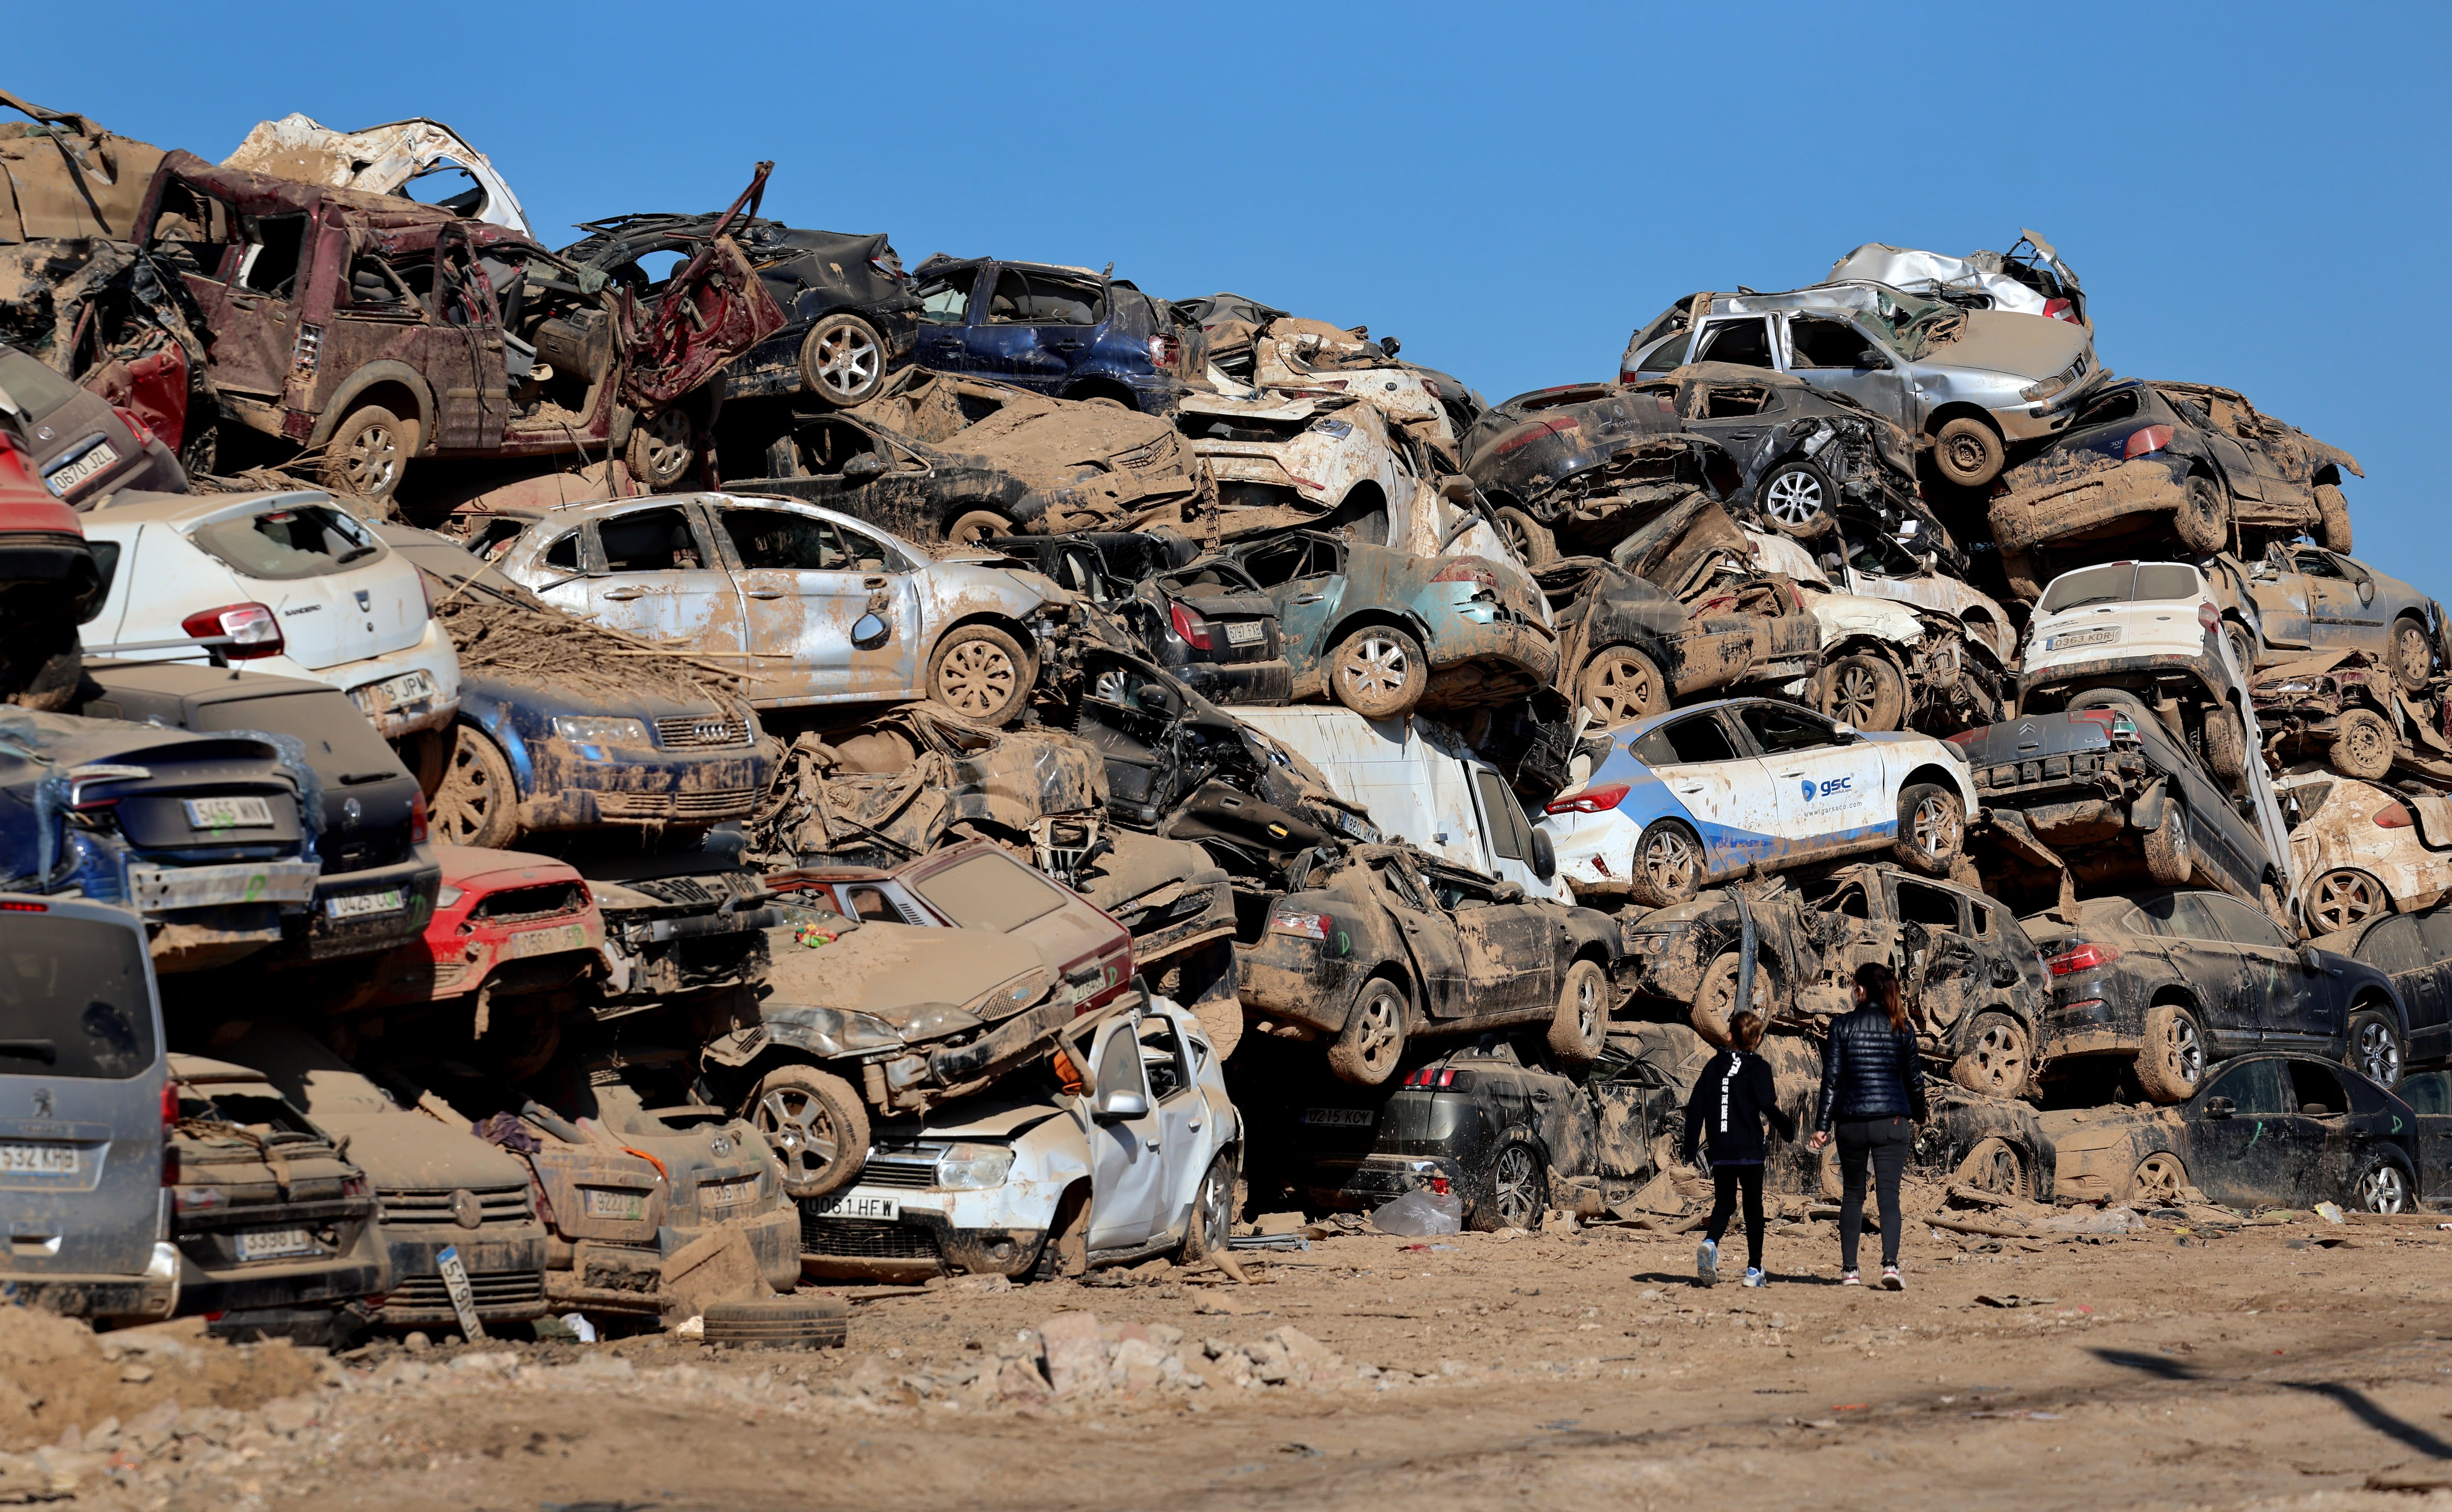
point(2254, 195)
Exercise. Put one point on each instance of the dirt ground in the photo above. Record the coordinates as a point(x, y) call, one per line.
point(2293, 1363)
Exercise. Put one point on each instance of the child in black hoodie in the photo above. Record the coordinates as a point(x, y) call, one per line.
point(1731, 1098)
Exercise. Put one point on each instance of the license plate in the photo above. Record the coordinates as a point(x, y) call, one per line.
point(64, 478)
point(277, 1244)
point(38, 1160)
point(2104, 636)
point(1246, 632)
point(728, 1194)
point(379, 698)
point(153, 887)
point(228, 813)
point(856, 1204)
point(602, 1203)
point(1339, 1117)
point(544, 942)
point(363, 905)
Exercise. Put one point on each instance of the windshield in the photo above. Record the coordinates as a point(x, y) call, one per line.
point(2121, 583)
point(990, 891)
point(279, 544)
point(29, 385)
point(1914, 327)
point(74, 998)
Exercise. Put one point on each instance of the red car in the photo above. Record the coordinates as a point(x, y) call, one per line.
point(525, 923)
point(50, 583)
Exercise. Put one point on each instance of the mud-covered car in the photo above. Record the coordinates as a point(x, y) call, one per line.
point(1964, 966)
point(1388, 945)
point(2429, 1096)
point(2297, 601)
point(1919, 566)
point(1806, 457)
point(2414, 948)
point(1321, 459)
point(385, 159)
point(83, 448)
point(1628, 648)
point(511, 926)
point(940, 457)
point(2031, 282)
point(1889, 663)
point(1059, 331)
point(2148, 461)
point(1122, 1145)
point(2342, 708)
point(1487, 1123)
point(2359, 850)
point(2149, 990)
point(50, 583)
point(849, 315)
point(1198, 614)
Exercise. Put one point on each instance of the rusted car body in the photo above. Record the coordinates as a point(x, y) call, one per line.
point(2299, 600)
point(2359, 849)
point(2342, 707)
point(67, 176)
point(1317, 459)
point(383, 159)
point(1628, 648)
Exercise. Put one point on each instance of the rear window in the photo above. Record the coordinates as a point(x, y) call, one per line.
point(72, 998)
point(281, 545)
point(30, 385)
point(2430, 1092)
point(990, 891)
point(2121, 583)
point(327, 721)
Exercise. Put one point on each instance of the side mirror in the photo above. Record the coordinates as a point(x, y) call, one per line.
point(1457, 490)
point(1114, 1105)
point(1390, 345)
point(1545, 856)
point(2310, 959)
point(1845, 732)
point(865, 466)
point(2219, 1107)
point(1507, 893)
point(869, 632)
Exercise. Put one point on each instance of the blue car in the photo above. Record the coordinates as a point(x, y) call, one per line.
point(1752, 785)
point(1065, 332)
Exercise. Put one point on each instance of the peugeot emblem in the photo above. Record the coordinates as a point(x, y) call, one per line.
point(465, 1210)
point(351, 811)
point(43, 1105)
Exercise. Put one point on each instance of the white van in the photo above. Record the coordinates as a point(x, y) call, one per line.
point(1423, 784)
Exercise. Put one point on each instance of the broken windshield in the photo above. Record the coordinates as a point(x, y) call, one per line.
point(1914, 326)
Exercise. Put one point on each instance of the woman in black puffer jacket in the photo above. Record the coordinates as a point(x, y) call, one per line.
point(1874, 1093)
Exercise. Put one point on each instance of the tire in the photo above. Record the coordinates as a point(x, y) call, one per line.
point(1667, 864)
point(1967, 452)
point(42, 666)
point(1579, 1026)
point(972, 527)
point(980, 673)
point(1866, 691)
point(2159, 1180)
point(1515, 1194)
point(2382, 1186)
point(1528, 538)
point(2343, 897)
point(2172, 1063)
point(2226, 745)
point(2201, 522)
point(1716, 1001)
point(2413, 659)
point(2374, 1050)
point(1380, 672)
point(1365, 1052)
point(2332, 518)
point(778, 1322)
point(843, 361)
point(477, 804)
point(2168, 858)
point(1621, 686)
point(2000, 1056)
point(1933, 830)
point(1797, 498)
point(365, 452)
point(2242, 646)
point(662, 448)
point(1993, 1166)
point(816, 1125)
point(1212, 1211)
point(2362, 746)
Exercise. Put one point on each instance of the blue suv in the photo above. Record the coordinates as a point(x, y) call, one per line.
point(1063, 332)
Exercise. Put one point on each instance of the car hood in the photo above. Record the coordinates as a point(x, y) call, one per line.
point(2023, 345)
point(919, 981)
point(1855, 614)
point(411, 1152)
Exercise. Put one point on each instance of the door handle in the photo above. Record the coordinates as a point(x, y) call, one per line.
point(1194, 1125)
point(1153, 1144)
point(1745, 435)
point(1694, 789)
point(2177, 947)
point(763, 593)
point(1799, 772)
point(1309, 598)
point(624, 595)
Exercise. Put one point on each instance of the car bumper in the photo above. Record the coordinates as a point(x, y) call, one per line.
point(920, 1245)
point(328, 1281)
point(329, 935)
point(2080, 505)
point(129, 1299)
point(566, 786)
point(1296, 981)
point(2126, 666)
point(1269, 681)
point(505, 1266)
point(1476, 661)
point(630, 1278)
point(1363, 1185)
point(1595, 851)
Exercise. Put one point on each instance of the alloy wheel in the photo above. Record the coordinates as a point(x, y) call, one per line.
point(1668, 862)
point(1376, 668)
point(1794, 498)
point(1512, 1186)
point(1854, 694)
point(2344, 898)
point(1619, 689)
point(2384, 1189)
point(373, 460)
point(798, 1129)
point(2378, 1054)
point(1381, 1030)
point(2160, 1178)
point(847, 361)
point(2185, 1051)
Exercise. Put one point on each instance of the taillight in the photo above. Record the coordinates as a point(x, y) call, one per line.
point(1626, 375)
point(143, 432)
point(1472, 570)
point(417, 818)
point(1165, 351)
point(250, 629)
point(353, 1186)
point(1591, 801)
point(170, 1104)
point(1189, 624)
point(1965, 737)
point(1442, 1079)
point(1308, 925)
point(2210, 617)
point(2147, 442)
point(20, 905)
point(1529, 434)
point(2393, 816)
point(2083, 957)
point(2059, 310)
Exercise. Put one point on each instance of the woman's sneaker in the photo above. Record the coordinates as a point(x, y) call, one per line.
point(1848, 1277)
point(1707, 1263)
point(1891, 1281)
point(1755, 1278)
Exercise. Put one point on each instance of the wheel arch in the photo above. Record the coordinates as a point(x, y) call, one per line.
point(1082, 386)
point(1962, 409)
point(992, 617)
point(372, 384)
point(1378, 614)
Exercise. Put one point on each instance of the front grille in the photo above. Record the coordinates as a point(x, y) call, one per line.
point(909, 1174)
point(864, 1239)
point(498, 1205)
point(1148, 457)
point(690, 733)
point(723, 802)
point(490, 1288)
point(539, 901)
point(447, 974)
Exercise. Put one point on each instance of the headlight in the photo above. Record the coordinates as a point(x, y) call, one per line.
point(970, 1168)
point(447, 895)
point(2045, 389)
point(865, 1031)
point(591, 729)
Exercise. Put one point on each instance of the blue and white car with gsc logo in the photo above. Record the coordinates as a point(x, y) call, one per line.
point(1715, 790)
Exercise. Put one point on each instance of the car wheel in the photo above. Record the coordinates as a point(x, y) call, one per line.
point(2172, 1060)
point(2383, 1186)
point(1579, 1024)
point(972, 527)
point(2361, 744)
point(1380, 672)
point(2344, 897)
point(42, 666)
point(2332, 518)
point(980, 673)
point(477, 804)
point(814, 1123)
point(1528, 538)
point(1621, 686)
point(2158, 1181)
point(2243, 645)
point(2201, 522)
point(1365, 1052)
point(1999, 1058)
point(1716, 1001)
point(2169, 859)
point(1667, 865)
point(1866, 691)
point(2413, 659)
point(2375, 1049)
point(1514, 1195)
point(2226, 745)
point(1212, 1211)
point(662, 447)
point(1968, 452)
point(842, 360)
point(1993, 1166)
point(1932, 828)
point(1797, 498)
point(365, 452)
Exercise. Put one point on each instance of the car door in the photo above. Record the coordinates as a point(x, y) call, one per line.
point(2218, 415)
point(1127, 1148)
point(2323, 1121)
point(1183, 1116)
point(1510, 950)
point(1829, 792)
point(708, 312)
point(2429, 1095)
point(2430, 1029)
point(255, 326)
point(1943, 973)
point(1710, 769)
point(465, 363)
point(653, 571)
point(2340, 612)
point(2209, 964)
point(1430, 937)
point(1303, 574)
point(804, 593)
point(1859, 925)
point(2247, 1143)
point(1739, 416)
point(945, 300)
point(1507, 834)
point(1834, 354)
point(2297, 1008)
point(1036, 325)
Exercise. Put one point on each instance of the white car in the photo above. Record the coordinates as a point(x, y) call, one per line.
point(287, 582)
point(1876, 651)
point(2147, 637)
point(2359, 849)
point(1124, 1146)
point(1700, 794)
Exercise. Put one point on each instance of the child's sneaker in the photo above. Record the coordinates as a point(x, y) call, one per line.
point(1707, 1263)
point(1890, 1280)
point(1848, 1277)
point(1755, 1278)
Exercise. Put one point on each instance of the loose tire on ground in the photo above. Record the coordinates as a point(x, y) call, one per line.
point(1667, 864)
point(778, 1323)
point(2172, 1060)
point(1380, 672)
point(816, 1125)
point(981, 674)
point(1579, 1024)
point(1365, 1052)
